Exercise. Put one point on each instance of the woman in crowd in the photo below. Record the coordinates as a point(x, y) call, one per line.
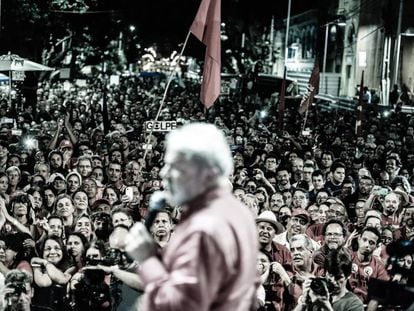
point(98, 174)
point(76, 246)
point(80, 200)
point(14, 174)
point(65, 209)
point(73, 181)
point(22, 213)
point(83, 224)
point(4, 186)
point(51, 273)
point(50, 198)
point(36, 196)
point(52, 227)
point(111, 195)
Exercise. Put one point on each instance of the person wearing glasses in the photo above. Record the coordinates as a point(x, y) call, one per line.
point(297, 224)
point(334, 234)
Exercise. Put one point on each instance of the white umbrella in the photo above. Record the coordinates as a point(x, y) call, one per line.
point(13, 62)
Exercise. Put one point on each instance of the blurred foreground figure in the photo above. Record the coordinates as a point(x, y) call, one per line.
point(210, 261)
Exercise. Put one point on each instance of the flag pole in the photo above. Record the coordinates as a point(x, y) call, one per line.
point(304, 121)
point(172, 73)
point(282, 103)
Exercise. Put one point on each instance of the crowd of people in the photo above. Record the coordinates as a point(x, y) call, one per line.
point(78, 170)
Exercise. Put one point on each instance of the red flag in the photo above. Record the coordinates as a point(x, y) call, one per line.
point(206, 27)
point(358, 123)
point(312, 89)
point(282, 100)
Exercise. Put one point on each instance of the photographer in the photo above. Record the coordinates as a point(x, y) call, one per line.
point(17, 293)
point(125, 284)
point(397, 292)
point(330, 293)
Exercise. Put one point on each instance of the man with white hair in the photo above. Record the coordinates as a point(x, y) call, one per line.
point(210, 261)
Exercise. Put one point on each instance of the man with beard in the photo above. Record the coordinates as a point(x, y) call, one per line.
point(363, 191)
point(283, 179)
point(161, 228)
point(365, 265)
point(268, 227)
point(300, 198)
point(297, 224)
point(210, 261)
point(390, 210)
point(132, 175)
point(338, 268)
point(276, 202)
point(271, 164)
point(250, 154)
point(334, 234)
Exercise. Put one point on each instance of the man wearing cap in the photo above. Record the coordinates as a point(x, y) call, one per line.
point(58, 182)
point(297, 224)
point(268, 227)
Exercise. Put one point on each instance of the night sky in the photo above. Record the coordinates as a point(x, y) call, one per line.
point(168, 21)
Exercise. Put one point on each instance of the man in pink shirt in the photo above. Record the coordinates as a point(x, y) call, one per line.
point(210, 261)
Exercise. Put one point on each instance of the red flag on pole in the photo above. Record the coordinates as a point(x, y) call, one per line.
point(358, 123)
point(312, 90)
point(282, 100)
point(206, 27)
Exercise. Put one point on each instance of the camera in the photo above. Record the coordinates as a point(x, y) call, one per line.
point(91, 293)
point(112, 258)
point(19, 288)
point(321, 286)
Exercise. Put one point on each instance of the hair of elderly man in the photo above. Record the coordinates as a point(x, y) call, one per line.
point(204, 144)
point(307, 243)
